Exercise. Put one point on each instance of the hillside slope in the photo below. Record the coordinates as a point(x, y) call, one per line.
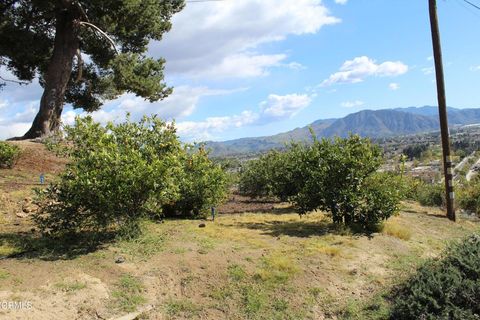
point(368, 123)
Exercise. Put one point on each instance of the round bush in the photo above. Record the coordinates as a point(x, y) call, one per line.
point(446, 288)
point(9, 154)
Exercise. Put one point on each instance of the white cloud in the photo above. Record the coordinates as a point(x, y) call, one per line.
point(475, 68)
point(13, 129)
point(427, 71)
point(205, 130)
point(295, 66)
point(220, 39)
point(243, 66)
point(341, 1)
point(281, 107)
point(394, 86)
point(356, 70)
point(181, 103)
point(274, 108)
point(352, 104)
point(430, 58)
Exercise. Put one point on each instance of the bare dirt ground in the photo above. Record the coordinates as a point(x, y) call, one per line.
point(274, 265)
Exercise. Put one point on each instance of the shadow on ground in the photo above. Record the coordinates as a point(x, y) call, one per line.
point(25, 246)
point(297, 229)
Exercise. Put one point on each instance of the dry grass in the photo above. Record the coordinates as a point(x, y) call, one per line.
point(393, 228)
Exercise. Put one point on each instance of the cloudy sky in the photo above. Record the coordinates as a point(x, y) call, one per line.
point(259, 67)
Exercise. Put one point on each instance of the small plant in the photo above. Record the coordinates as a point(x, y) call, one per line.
point(9, 154)
point(186, 307)
point(254, 300)
point(236, 272)
point(71, 286)
point(129, 293)
point(4, 274)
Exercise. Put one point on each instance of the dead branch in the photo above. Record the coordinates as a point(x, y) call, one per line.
point(91, 25)
point(82, 11)
point(22, 83)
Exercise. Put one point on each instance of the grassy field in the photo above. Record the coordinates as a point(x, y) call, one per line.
point(241, 266)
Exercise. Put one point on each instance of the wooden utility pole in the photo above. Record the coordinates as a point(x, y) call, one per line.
point(442, 109)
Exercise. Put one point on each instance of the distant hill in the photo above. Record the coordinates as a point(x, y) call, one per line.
point(367, 123)
point(381, 123)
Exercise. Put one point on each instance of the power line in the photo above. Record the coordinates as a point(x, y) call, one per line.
point(472, 4)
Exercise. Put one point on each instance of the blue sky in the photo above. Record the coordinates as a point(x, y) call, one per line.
point(260, 67)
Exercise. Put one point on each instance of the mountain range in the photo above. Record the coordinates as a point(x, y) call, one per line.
point(367, 123)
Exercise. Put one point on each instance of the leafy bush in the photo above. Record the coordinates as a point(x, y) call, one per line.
point(336, 176)
point(120, 173)
point(431, 195)
point(8, 154)
point(446, 288)
point(203, 184)
point(341, 179)
point(409, 187)
point(275, 174)
point(256, 177)
point(469, 196)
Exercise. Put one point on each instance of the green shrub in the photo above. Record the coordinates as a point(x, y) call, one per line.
point(410, 187)
point(446, 288)
point(431, 195)
point(9, 154)
point(340, 178)
point(275, 174)
point(203, 184)
point(118, 174)
point(469, 196)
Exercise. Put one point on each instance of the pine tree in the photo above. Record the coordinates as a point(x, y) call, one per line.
point(84, 52)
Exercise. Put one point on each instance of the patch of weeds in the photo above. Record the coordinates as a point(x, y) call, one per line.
point(254, 300)
point(277, 269)
point(280, 305)
point(392, 228)
point(187, 308)
point(316, 245)
point(221, 294)
point(236, 272)
point(186, 280)
point(4, 274)
point(7, 249)
point(70, 286)
point(179, 250)
point(205, 244)
point(129, 293)
point(405, 264)
point(376, 308)
point(249, 259)
point(316, 291)
point(150, 242)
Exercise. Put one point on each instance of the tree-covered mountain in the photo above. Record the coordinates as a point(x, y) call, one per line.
point(368, 123)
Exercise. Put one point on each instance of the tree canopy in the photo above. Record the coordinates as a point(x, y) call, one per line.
point(88, 51)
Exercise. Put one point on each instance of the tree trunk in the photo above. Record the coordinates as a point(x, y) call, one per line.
point(58, 74)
